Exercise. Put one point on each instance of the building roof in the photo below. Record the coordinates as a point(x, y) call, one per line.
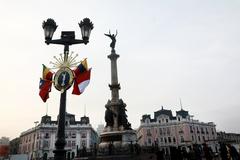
point(46, 119)
point(163, 112)
point(182, 113)
point(71, 117)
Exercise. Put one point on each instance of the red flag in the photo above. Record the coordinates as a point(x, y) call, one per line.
point(81, 82)
point(45, 88)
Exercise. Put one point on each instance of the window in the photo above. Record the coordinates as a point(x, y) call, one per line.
point(46, 135)
point(160, 131)
point(212, 131)
point(178, 118)
point(165, 139)
point(169, 140)
point(159, 121)
point(202, 131)
point(69, 143)
point(83, 143)
point(161, 139)
point(197, 130)
point(182, 139)
point(166, 120)
point(149, 141)
point(73, 144)
point(199, 138)
point(174, 140)
point(181, 130)
point(168, 131)
point(73, 134)
point(83, 135)
point(67, 134)
point(45, 144)
point(164, 131)
point(149, 132)
point(191, 129)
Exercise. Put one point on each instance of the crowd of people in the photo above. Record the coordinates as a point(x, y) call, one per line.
point(198, 152)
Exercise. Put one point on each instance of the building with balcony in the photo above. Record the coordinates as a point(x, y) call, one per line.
point(39, 142)
point(165, 131)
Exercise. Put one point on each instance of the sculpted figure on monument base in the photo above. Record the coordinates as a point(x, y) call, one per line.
point(109, 115)
point(122, 116)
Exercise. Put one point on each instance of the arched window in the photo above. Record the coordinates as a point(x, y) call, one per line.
point(68, 155)
point(45, 156)
point(73, 155)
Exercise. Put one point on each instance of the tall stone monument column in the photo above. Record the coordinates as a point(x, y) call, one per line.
point(117, 132)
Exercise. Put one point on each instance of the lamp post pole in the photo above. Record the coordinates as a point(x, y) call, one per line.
point(60, 152)
point(67, 39)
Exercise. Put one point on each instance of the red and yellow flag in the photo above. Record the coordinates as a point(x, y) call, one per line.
point(47, 74)
point(45, 83)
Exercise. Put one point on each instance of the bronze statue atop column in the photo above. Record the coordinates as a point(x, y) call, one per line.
point(113, 38)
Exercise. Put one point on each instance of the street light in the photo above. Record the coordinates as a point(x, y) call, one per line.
point(86, 27)
point(67, 39)
point(49, 28)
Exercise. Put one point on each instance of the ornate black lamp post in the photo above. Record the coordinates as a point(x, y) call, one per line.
point(67, 39)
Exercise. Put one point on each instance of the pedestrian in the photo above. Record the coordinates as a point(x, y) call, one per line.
point(207, 152)
point(234, 153)
point(192, 154)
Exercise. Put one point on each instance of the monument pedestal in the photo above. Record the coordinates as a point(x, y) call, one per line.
point(117, 142)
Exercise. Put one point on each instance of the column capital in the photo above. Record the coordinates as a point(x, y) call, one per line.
point(113, 56)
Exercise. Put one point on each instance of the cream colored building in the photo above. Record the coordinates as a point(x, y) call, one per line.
point(39, 142)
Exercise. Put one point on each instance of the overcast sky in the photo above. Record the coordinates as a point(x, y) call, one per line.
point(172, 49)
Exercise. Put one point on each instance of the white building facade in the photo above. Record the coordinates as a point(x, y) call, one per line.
point(166, 130)
point(39, 142)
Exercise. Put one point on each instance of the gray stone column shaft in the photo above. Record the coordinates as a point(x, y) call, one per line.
point(114, 76)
